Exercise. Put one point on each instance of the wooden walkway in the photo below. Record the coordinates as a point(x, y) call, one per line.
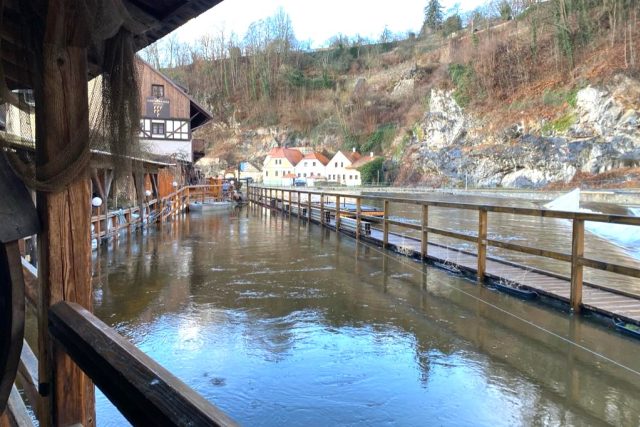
point(602, 301)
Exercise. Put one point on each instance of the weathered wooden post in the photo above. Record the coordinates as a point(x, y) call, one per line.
point(309, 206)
point(482, 244)
point(385, 225)
point(337, 213)
point(322, 208)
point(299, 209)
point(424, 241)
point(358, 219)
point(577, 252)
point(97, 228)
point(64, 271)
point(290, 201)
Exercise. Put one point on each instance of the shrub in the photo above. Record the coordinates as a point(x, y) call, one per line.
point(383, 135)
point(369, 173)
point(462, 77)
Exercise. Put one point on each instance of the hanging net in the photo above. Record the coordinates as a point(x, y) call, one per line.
point(113, 106)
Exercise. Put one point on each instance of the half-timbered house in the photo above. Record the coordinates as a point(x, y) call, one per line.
point(168, 115)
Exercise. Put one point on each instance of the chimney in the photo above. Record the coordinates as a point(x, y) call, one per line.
point(353, 149)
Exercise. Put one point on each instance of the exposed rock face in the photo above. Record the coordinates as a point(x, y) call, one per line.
point(606, 136)
point(444, 123)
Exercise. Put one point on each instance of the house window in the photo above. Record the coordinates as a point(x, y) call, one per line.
point(157, 91)
point(305, 174)
point(314, 163)
point(157, 128)
point(266, 173)
point(276, 173)
point(311, 174)
point(344, 177)
point(350, 176)
point(336, 164)
point(305, 164)
point(341, 164)
point(299, 175)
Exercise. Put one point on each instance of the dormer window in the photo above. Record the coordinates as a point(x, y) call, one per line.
point(157, 91)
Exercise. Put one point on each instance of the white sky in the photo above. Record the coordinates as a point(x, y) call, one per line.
point(317, 20)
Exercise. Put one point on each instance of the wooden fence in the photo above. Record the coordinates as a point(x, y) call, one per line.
point(268, 196)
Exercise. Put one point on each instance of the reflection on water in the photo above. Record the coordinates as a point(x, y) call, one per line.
point(277, 323)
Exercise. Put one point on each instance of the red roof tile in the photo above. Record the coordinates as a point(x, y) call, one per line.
point(317, 156)
point(294, 156)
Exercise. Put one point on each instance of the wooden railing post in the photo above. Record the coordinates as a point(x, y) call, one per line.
point(321, 208)
point(482, 244)
point(290, 200)
point(385, 225)
point(337, 213)
point(309, 206)
point(424, 241)
point(97, 229)
point(299, 211)
point(577, 252)
point(358, 219)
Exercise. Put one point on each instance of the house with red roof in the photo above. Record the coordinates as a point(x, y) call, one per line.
point(280, 162)
point(343, 167)
point(312, 167)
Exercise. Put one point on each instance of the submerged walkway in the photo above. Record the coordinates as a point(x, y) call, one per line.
point(595, 299)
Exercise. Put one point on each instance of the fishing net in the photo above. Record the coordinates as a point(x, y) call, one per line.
point(113, 106)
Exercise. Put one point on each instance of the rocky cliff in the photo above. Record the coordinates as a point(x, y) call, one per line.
point(599, 133)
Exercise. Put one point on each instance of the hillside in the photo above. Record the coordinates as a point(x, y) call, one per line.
point(548, 98)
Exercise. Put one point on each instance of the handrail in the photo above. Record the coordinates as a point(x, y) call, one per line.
point(576, 258)
point(145, 392)
point(613, 218)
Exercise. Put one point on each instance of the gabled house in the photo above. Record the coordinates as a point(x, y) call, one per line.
point(312, 167)
point(337, 167)
point(279, 163)
point(343, 167)
point(168, 115)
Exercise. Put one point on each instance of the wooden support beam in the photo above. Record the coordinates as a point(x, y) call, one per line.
point(64, 268)
point(577, 252)
point(337, 213)
point(482, 244)
point(385, 225)
point(309, 206)
point(358, 218)
point(321, 208)
point(424, 240)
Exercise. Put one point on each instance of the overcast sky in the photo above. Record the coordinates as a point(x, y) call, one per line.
point(318, 21)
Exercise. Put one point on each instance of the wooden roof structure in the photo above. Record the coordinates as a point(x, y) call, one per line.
point(155, 18)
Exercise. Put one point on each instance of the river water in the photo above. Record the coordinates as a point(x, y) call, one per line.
point(281, 323)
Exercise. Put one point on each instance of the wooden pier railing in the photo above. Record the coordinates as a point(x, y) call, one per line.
point(280, 198)
point(140, 388)
point(110, 225)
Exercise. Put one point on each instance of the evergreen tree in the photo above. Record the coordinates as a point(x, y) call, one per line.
point(433, 15)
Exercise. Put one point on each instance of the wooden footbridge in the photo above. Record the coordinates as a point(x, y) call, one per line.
point(331, 211)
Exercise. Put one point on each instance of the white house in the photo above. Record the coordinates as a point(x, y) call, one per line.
point(343, 167)
point(312, 167)
point(279, 166)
